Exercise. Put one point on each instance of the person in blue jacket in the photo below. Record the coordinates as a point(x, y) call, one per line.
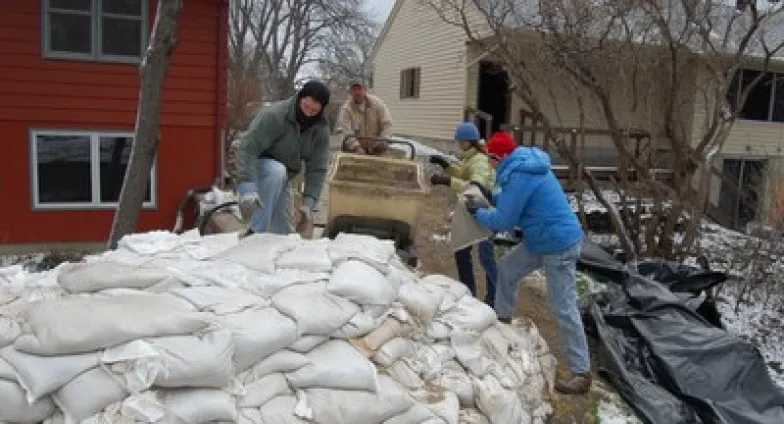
point(528, 195)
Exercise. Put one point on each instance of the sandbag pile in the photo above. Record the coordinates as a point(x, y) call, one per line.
point(269, 330)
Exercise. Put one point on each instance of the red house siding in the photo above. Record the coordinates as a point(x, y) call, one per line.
point(38, 93)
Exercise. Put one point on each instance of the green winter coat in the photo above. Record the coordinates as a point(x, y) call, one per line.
point(474, 166)
point(274, 133)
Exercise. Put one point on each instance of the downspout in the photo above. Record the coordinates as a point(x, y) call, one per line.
point(220, 89)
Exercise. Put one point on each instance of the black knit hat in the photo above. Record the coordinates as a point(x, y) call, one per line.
point(317, 90)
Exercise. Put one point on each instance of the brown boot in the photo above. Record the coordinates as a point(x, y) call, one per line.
point(578, 384)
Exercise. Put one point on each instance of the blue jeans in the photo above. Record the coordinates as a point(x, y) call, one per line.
point(465, 268)
point(561, 272)
point(274, 190)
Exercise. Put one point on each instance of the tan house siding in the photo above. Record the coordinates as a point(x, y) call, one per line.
point(417, 37)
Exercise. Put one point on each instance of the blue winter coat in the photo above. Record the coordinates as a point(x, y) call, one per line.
point(528, 195)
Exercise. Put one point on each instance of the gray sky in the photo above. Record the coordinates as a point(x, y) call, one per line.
point(380, 9)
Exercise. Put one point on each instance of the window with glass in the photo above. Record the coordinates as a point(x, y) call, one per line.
point(111, 30)
point(81, 169)
point(765, 101)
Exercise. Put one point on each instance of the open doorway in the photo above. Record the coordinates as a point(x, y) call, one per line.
point(742, 188)
point(493, 96)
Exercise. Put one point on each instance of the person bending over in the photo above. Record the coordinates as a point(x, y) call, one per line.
point(279, 139)
point(527, 194)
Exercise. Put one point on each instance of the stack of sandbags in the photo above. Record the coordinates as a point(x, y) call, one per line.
point(273, 329)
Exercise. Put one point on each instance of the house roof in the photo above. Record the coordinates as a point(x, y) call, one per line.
point(385, 29)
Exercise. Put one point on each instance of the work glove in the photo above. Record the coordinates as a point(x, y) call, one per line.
point(440, 179)
point(305, 219)
point(484, 190)
point(440, 161)
point(471, 205)
point(249, 203)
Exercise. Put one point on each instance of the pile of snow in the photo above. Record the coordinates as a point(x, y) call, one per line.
point(272, 329)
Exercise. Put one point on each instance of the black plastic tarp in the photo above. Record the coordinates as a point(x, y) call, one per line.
point(662, 347)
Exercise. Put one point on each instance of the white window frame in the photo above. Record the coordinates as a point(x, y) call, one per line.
point(96, 32)
point(95, 171)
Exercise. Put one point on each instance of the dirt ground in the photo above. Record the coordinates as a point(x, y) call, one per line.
point(436, 257)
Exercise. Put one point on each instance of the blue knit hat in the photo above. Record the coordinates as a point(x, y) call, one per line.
point(467, 131)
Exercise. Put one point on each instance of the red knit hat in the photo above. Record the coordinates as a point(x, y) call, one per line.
point(501, 144)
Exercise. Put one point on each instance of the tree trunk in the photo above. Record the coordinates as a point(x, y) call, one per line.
point(148, 116)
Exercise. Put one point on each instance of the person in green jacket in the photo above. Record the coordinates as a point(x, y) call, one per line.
point(473, 168)
point(279, 139)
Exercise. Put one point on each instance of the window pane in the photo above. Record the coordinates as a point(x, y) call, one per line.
point(757, 103)
point(63, 169)
point(70, 33)
point(123, 7)
point(83, 5)
point(115, 153)
point(121, 37)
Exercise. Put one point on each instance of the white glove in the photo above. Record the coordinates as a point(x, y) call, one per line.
point(249, 203)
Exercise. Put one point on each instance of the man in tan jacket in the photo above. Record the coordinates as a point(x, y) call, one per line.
point(364, 115)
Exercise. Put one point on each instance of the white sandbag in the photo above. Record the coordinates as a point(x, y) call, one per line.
point(405, 375)
point(421, 300)
point(393, 350)
point(335, 364)
point(443, 403)
point(388, 330)
point(363, 247)
point(307, 343)
point(469, 352)
point(501, 406)
point(469, 313)
point(7, 372)
point(362, 284)
point(263, 390)
point(76, 325)
point(9, 331)
point(96, 276)
point(199, 405)
point(88, 394)
point(454, 290)
point(268, 285)
point(260, 251)
point(14, 407)
point(218, 273)
point(219, 300)
point(249, 416)
point(457, 381)
point(359, 325)
point(430, 360)
point(316, 311)
point(417, 414)
point(280, 410)
point(438, 331)
point(42, 375)
point(284, 361)
point(258, 333)
point(311, 256)
point(167, 285)
point(346, 407)
point(189, 361)
point(474, 416)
